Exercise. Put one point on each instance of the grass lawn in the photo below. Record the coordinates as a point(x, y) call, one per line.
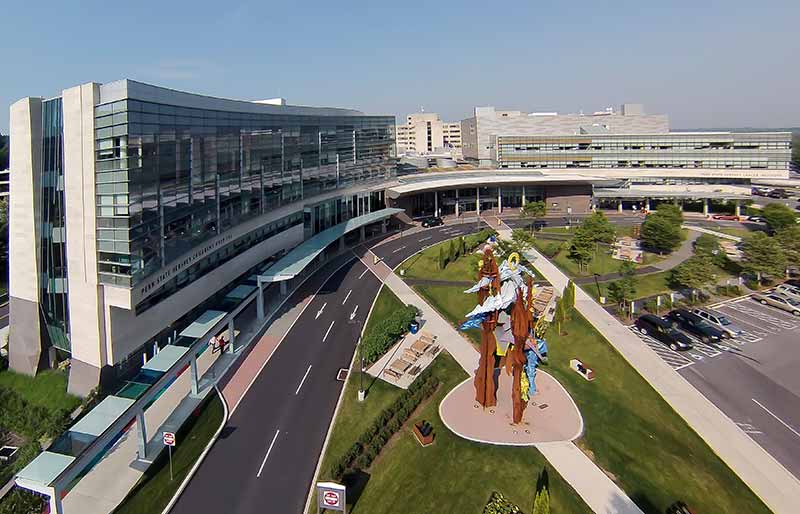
point(633, 434)
point(48, 389)
point(425, 265)
point(386, 303)
point(452, 475)
point(646, 285)
point(155, 489)
point(452, 304)
point(601, 264)
point(735, 231)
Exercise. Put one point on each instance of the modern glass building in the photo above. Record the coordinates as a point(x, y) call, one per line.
point(135, 194)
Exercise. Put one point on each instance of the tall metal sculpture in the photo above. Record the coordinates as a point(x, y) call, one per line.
point(505, 316)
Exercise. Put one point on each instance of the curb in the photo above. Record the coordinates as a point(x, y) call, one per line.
point(338, 404)
point(202, 456)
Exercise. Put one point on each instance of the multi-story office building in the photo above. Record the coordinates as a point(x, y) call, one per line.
point(132, 203)
point(426, 133)
point(635, 154)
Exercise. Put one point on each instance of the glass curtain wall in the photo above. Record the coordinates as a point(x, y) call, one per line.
point(170, 178)
point(53, 261)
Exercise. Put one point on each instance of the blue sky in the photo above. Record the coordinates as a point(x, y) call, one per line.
point(706, 64)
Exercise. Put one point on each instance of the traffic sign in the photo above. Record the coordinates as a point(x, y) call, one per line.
point(169, 438)
point(331, 496)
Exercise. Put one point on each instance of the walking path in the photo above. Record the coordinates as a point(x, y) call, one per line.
point(598, 491)
point(778, 488)
point(695, 228)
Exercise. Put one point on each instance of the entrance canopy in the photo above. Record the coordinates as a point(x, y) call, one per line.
point(301, 256)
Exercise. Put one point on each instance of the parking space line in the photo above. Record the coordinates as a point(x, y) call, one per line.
point(769, 317)
point(761, 330)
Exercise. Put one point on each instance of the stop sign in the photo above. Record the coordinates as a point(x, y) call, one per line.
point(330, 499)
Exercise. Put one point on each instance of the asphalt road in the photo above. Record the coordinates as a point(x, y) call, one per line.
point(757, 384)
point(264, 461)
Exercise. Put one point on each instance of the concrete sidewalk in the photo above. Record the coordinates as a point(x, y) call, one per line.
point(598, 491)
point(768, 479)
point(601, 494)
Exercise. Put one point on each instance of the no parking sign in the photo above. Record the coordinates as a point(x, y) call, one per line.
point(331, 496)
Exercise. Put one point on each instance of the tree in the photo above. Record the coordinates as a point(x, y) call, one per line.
point(581, 248)
point(598, 226)
point(569, 295)
point(788, 239)
point(541, 505)
point(623, 290)
point(560, 315)
point(763, 256)
point(3, 152)
point(532, 211)
point(442, 262)
point(694, 273)
point(708, 246)
point(521, 240)
point(778, 216)
point(661, 232)
point(670, 211)
point(452, 254)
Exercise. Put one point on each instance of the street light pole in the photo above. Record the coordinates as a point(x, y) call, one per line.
point(596, 283)
point(361, 393)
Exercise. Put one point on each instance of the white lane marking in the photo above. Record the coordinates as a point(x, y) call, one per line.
point(749, 429)
point(346, 297)
point(319, 312)
point(329, 331)
point(424, 239)
point(399, 249)
point(353, 314)
point(258, 475)
point(782, 422)
point(302, 381)
point(364, 272)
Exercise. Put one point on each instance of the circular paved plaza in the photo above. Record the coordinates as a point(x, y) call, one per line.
point(551, 414)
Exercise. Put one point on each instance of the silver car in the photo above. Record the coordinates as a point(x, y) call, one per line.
point(788, 290)
point(777, 300)
point(720, 322)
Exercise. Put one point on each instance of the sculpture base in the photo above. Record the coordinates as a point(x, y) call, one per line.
point(550, 416)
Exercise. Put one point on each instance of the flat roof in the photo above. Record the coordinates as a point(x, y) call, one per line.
point(45, 468)
point(449, 180)
point(301, 256)
point(203, 324)
point(97, 420)
point(241, 292)
point(165, 358)
point(655, 193)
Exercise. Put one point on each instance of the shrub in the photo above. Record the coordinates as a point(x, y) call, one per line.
point(20, 501)
point(499, 505)
point(3, 363)
point(387, 332)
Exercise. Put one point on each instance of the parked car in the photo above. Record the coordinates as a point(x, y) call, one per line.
point(695, 325)
point(778, 193)
point(725, 217)
point(789, 290)
point(719, 321)
point(777, 300)
point(758, 191)
point(662, 330)
point(757, 219)
point(433, 221)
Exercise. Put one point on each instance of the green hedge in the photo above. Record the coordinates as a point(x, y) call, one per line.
point(369, 445)
point(33, 421)
point(499, 505)
point(20, 501)
point(386, 333)
point(471, 242)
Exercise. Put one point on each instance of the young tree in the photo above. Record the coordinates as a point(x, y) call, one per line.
point(533, 211)
point(541, 505)
point(521, 240)
point(442, 262)
point(623, 290)
point(598, 226)
point(661, 232)
point(560, 315)
point(789, 240)
point(569, 295)
point(778, 216)
point(451, 252)
point(763, 256)
point(581, 248)
point(694, 273)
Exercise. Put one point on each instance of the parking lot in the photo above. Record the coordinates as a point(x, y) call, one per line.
point(754, 379)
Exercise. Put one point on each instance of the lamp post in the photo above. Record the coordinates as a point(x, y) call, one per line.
point(362, 394)
point(596, 283)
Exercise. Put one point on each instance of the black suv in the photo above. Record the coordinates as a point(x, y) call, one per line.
point(662, 330)
point(432, 222)
point(695, 325)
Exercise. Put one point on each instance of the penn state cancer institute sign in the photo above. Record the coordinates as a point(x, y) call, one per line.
point(331, 496)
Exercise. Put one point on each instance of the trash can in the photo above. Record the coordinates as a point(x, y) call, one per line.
point(413, 327)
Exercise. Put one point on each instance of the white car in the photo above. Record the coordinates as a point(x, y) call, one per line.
point(774, 299)
point(788, 290)
point(719, 321)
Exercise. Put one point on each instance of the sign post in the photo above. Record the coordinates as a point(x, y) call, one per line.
point(169, 442)
point(331, 496)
